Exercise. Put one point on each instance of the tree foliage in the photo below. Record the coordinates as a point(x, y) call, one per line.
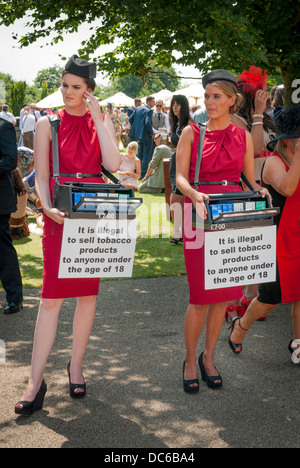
point(17, 96)
point(133, 86)
point(51, 76)
point(231, 34)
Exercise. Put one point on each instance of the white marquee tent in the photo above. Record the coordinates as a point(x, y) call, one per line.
point(194, 94)
point(163, 95)
point(118, 100)
point(54, 100)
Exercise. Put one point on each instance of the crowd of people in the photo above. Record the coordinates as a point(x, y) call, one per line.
point(148, 134)
point(246, 131)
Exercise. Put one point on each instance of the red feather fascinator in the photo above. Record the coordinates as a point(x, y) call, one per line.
point(253, 80)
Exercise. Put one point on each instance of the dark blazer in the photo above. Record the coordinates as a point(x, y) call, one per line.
point(8, 162)
point(141, 124)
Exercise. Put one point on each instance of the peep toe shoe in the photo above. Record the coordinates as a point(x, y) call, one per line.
point(29, 407)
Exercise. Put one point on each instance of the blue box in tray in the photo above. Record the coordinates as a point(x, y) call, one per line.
point(227, 208)
point(77, 196)
point(235, 210)
point(216, 210)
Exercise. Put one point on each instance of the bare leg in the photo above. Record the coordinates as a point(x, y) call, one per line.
point(45, 333)
point(255, 310)
point(295, 345)
point(176, 205)
point(251, 292)
point(296, 319)
point(232, 309)
point(193, 326)
point(82, 327)
point(215, 319)
point(235, 308)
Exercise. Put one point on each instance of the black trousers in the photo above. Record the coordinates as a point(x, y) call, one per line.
point(10, 275)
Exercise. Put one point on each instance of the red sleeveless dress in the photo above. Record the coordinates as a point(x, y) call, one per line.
point(79, 151)
point(223, 159)
point(288, 246)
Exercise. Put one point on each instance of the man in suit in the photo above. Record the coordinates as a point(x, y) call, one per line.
point(137, 103)
point(10, 275)
point(154, 180)
point(159, 117)
point(142, 131)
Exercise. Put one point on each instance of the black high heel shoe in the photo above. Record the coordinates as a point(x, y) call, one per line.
point(187, 384)
point(212, 381)
point(176, 241)
point(74, 387)
point(30, 407)
point(236, 348)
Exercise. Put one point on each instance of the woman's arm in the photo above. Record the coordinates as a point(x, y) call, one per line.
point(43, 138)
point(183, 161)
point(111, 156)
point(138, 169)
point(257, 131)
point(275, 174)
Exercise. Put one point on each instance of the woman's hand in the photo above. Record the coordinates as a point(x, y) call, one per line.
point(198, 202)
point(93, 106)
point(264, 192)
point(56, 215)
point(261, 98)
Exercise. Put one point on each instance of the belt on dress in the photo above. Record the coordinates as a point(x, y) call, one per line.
point(220, 182)
point(79, 175)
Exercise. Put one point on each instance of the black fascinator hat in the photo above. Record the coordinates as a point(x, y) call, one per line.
point(218, 75)
point(287, 123)
point(80, 67)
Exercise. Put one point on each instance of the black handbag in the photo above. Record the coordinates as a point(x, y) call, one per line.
point(54, 120)
point(231, 219)
point(90, 200)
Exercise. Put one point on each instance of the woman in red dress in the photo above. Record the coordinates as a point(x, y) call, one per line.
point(85, 142)
point(228, 151)
point(281, 174)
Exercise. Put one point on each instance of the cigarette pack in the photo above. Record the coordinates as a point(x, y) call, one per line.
point(227, 208)
point(216, 210)
point(249, 206)
point(238, 207)
point(259, 205)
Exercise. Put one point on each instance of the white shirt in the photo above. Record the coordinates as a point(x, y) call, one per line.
point(22, 114)
point(7, 116)
point(36, 116)
point(28, 123)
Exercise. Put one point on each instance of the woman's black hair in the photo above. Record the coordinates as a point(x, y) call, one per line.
point(278, 100)
point(184, 116)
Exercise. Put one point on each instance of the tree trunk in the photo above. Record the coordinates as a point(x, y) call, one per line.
point(291, 87)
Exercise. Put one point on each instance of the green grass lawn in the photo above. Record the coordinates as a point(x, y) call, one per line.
point(155, 256)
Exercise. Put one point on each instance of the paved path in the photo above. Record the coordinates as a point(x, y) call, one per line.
point(134, 375)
